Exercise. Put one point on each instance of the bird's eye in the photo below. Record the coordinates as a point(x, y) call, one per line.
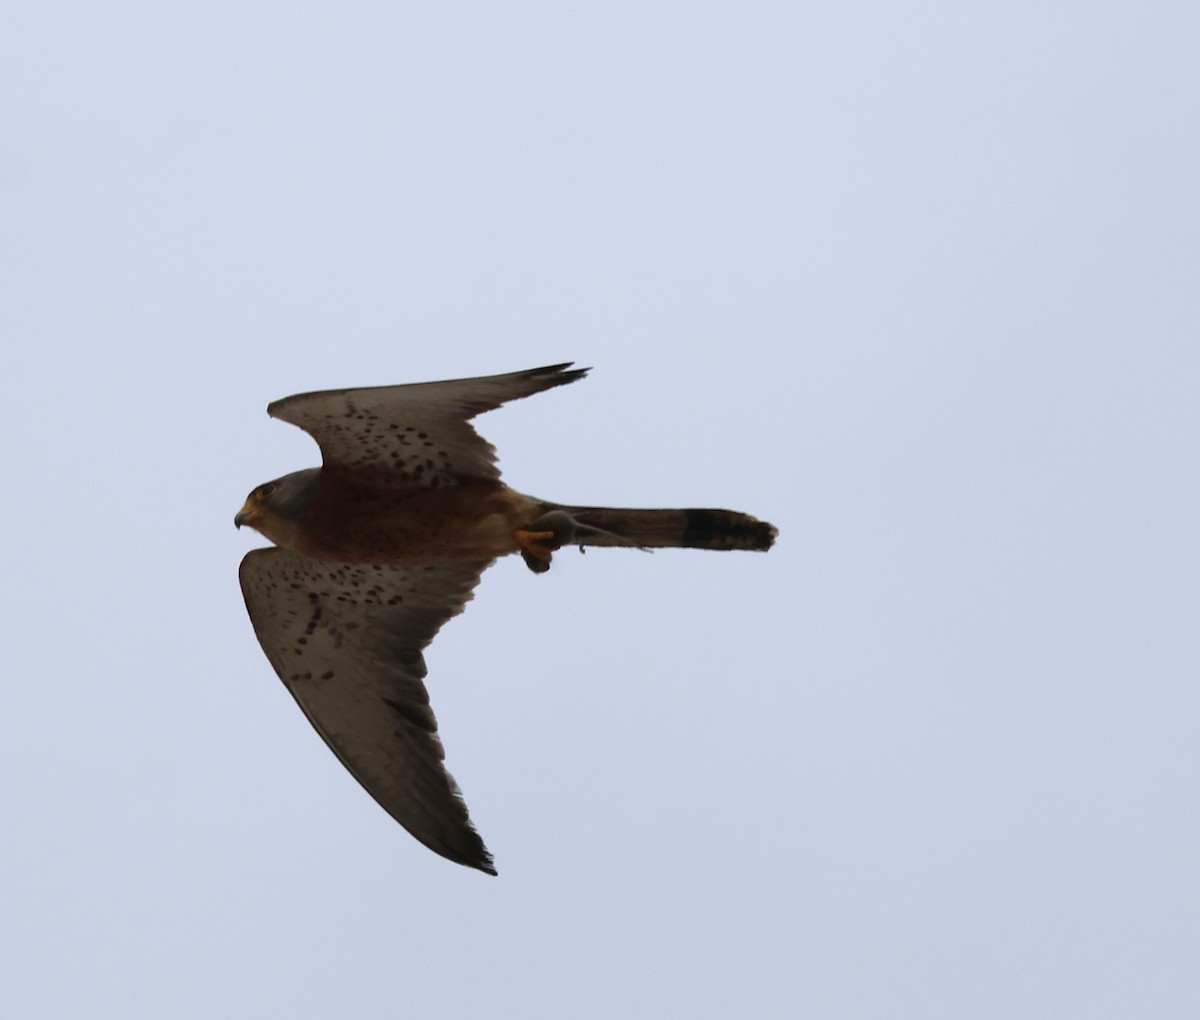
point(266, 490)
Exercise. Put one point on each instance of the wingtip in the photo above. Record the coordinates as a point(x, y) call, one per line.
point(564, 370)
point(482, 861)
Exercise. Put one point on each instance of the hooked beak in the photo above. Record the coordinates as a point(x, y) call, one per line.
point(245, 516)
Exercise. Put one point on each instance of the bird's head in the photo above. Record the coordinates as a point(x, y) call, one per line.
point(272, 508)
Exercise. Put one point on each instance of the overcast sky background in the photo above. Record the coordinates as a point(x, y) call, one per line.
point(918, 282)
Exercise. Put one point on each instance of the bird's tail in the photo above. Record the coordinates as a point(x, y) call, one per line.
point(646, 529)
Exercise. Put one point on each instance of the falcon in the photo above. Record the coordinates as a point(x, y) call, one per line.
point(384, 542)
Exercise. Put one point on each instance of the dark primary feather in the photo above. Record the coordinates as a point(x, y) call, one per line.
point(347, 640)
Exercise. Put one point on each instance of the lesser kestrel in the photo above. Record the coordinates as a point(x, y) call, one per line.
point(383, 543)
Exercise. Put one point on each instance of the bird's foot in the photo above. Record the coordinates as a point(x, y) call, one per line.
point(537, 548)
point(552, 530)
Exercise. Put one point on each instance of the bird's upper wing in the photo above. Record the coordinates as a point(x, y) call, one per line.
point(347, 642)
point(415, 432)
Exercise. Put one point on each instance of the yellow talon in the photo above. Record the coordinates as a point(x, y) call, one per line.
point(537, 547)
point(535, 542)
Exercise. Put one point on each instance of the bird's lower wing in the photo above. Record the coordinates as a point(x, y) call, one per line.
point(347, 641)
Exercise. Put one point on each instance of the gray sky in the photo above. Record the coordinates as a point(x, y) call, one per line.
point(916, 282)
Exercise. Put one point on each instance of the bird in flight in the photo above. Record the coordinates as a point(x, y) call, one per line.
point(384, 542)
